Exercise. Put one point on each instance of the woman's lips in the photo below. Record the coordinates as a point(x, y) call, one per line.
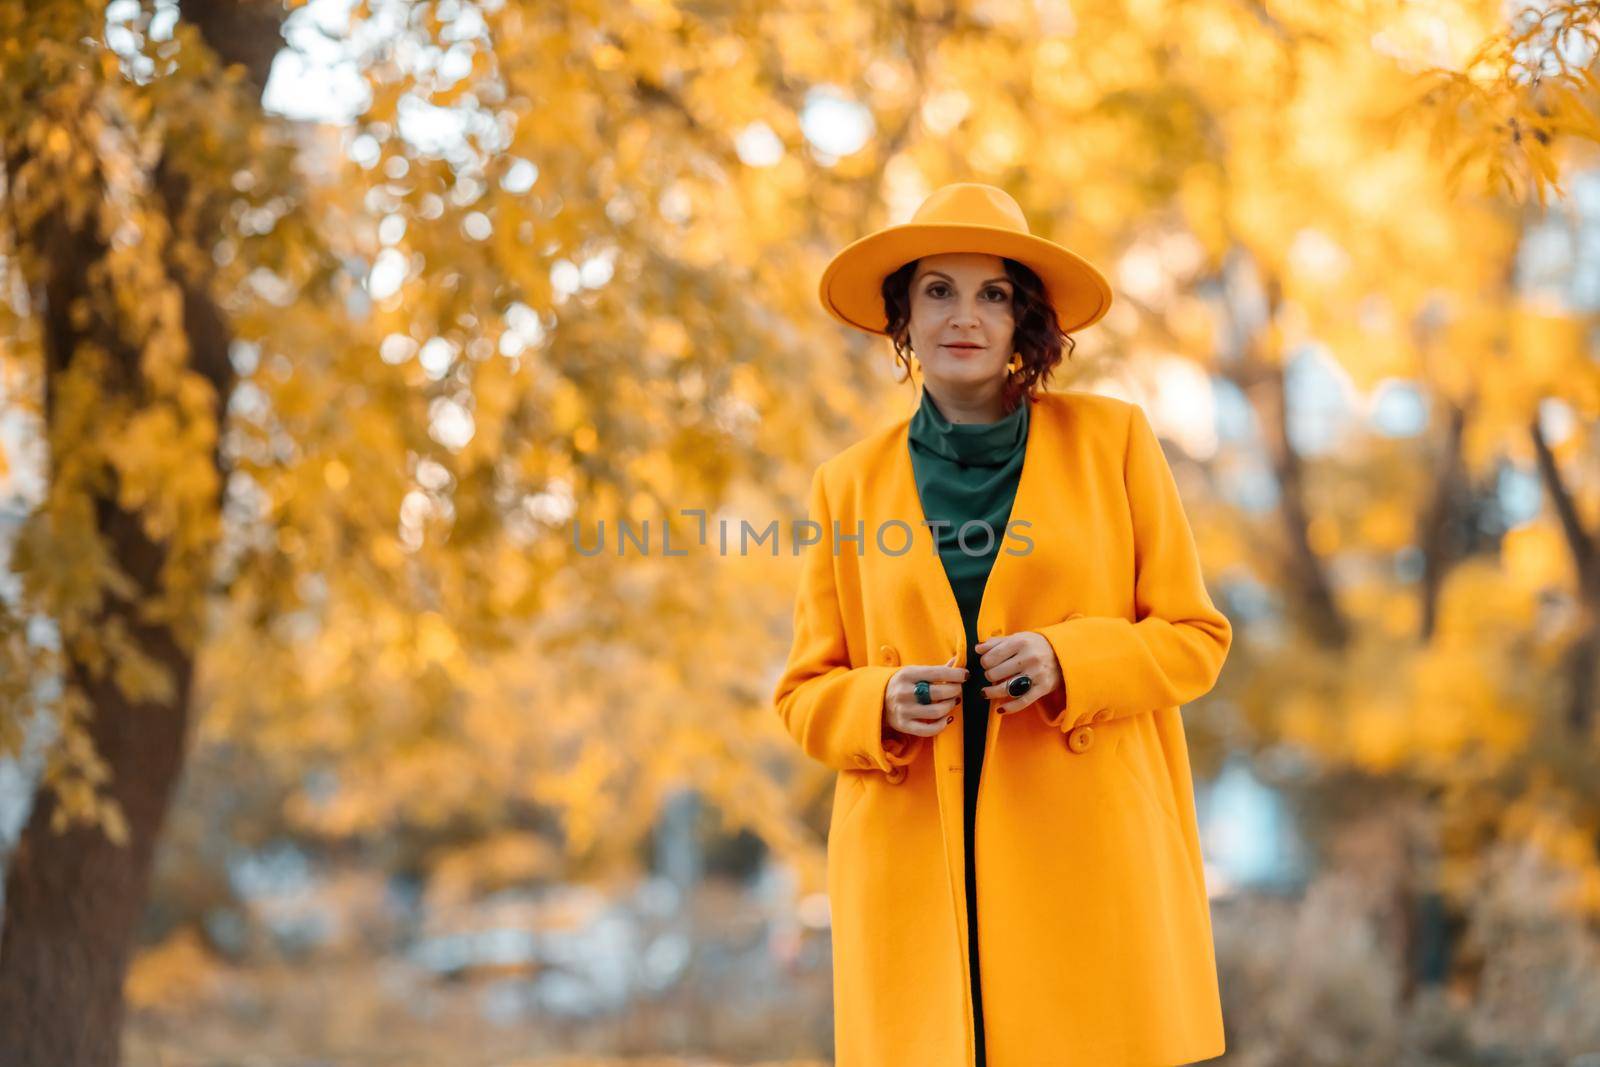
point(965, 348)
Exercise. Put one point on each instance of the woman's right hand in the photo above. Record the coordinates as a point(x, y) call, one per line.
point(900, 708)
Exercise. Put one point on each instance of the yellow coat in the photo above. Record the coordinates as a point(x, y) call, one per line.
point(1095, 930)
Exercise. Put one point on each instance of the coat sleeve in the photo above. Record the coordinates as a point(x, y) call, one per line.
point(1174, 652)
point(833, 711)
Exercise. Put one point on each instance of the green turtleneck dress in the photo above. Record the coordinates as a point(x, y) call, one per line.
point(967, 472)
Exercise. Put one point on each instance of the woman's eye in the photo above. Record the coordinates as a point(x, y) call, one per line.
point(939, 289)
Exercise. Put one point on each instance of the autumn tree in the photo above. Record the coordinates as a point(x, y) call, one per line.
point(119, 179)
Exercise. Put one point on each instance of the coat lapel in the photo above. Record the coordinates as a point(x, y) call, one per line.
point(1006, 584)
point(928, 576)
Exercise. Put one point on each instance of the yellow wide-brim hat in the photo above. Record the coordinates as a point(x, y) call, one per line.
point(960, 217)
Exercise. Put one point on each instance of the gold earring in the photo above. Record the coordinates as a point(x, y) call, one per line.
point(1016, 362)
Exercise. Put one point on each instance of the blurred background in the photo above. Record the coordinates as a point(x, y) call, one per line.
point(331, 333)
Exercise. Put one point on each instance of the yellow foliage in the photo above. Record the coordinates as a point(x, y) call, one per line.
point(1323, 533)
point(1550, 348)
point(177, 972)
point(1536, 557)
point(435, 639)
point(1387, 525)
point(1380, 733)
point(1478, 604)
point(1304, 719)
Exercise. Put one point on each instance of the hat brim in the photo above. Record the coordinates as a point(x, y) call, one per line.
point(851, 286)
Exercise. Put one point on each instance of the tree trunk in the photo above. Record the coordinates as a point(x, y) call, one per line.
point(1439, 547)
point(74, 899)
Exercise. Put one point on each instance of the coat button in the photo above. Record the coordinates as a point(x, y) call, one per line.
point(896, 775)
point(1079, 738)
point(889, 656)
point(1102, 715)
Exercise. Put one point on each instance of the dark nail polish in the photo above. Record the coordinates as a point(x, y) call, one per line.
point(949, 718)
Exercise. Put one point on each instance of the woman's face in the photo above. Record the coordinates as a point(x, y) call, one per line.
point(961, 322)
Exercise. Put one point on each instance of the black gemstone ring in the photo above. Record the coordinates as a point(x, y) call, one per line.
point(923, 696)
point(1019, 685)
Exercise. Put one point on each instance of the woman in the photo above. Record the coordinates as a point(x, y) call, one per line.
point(1003, 711)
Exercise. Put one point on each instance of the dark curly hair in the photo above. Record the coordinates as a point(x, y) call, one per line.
point(1038, 337)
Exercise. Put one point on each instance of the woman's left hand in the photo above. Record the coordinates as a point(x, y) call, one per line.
point(1003, 658)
